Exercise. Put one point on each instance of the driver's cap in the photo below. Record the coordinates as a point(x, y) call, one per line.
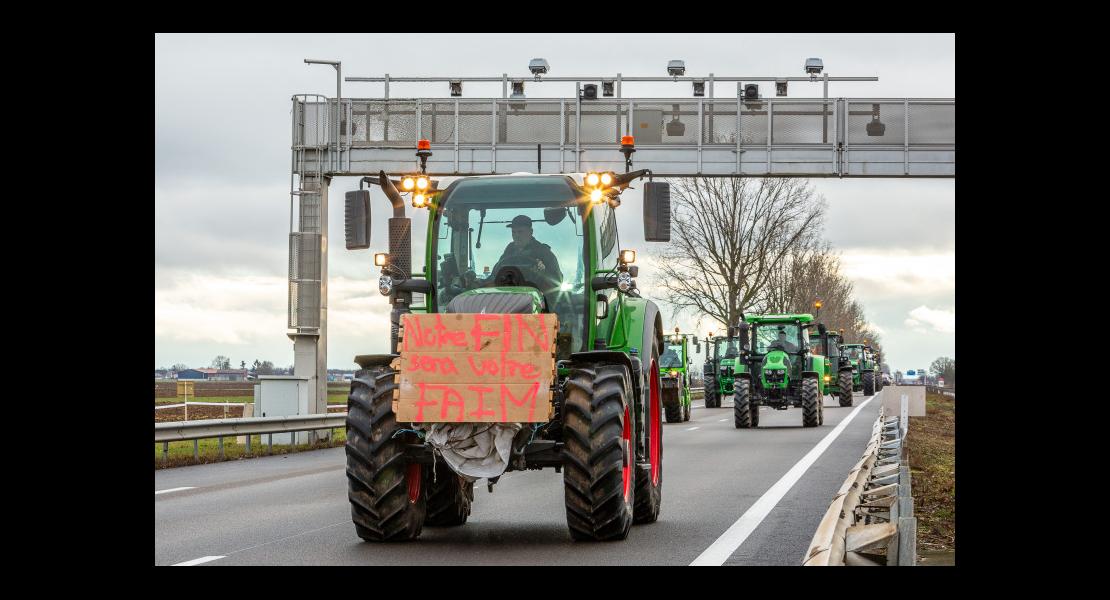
point(521, 221)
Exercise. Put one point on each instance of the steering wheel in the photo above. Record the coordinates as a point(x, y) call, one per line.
point(532, 275)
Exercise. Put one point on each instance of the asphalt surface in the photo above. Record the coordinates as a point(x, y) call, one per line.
point(293, 509)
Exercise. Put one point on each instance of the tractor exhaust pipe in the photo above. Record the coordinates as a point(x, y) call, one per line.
point(400, 256)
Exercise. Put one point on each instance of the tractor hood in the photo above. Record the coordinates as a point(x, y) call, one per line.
point(775, 359)
point(502, 299)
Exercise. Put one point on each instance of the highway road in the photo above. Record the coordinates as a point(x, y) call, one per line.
point(730, 496)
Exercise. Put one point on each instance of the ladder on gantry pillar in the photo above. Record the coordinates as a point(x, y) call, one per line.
point(308, 263)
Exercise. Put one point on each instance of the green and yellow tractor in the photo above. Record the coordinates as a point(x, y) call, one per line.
point(497, 245)
point(674, 369)
point(717, 372)
point(777, 368)
point(863, 368)
point(838, 371)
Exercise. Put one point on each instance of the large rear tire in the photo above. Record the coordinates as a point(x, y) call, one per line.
point(878, 383)
point(845, 385)
point(385, 489)
point(811, 398)
point(742, 404)
point(449, 497)
point(599, 453)
point(868, 383)
point(710, 392)
point(687, 409)
point(649, 477)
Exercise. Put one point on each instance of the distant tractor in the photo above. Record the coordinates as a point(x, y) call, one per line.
point(863, 368)
point(721, 355)
point(776, 368)
point(674, 365)
point(838, 370)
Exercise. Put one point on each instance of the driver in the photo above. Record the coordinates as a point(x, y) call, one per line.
point(784, 343)
point(525, 249)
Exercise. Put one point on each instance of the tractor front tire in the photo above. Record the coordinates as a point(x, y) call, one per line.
point(710, 392)
point(869, 383)
point(811, 399)
point(686, 410)
point(599, 458)
point(674, 413)
point(845, 385)
point(385, 489)
point(449, 497)
point(878, 383)
point(742, 404)
point(649, 477)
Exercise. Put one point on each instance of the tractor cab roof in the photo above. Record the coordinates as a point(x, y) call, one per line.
point(759, 319)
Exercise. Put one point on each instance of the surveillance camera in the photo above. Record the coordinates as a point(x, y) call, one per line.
point(814, 66)
point(676, 68)
point(538, 66)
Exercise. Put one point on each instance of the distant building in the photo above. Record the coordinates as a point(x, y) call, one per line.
point(214, 374)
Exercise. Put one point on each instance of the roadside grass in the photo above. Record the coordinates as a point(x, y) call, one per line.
point(181, 453)
point(931, 444)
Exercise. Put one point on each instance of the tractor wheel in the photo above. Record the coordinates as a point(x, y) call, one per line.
point(742, 404)
point(599, 452)
point(811, 399)
point(449, 497)
point(755, 415)
point(820, 409)
point(710, 391)
point(649, 477)
point(869, 383)
point(674, 414)
point(845, 385)
point(386, 491)
point(686, 410)
point(878, 383)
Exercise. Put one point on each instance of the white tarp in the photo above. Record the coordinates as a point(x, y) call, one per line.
point(474, 450)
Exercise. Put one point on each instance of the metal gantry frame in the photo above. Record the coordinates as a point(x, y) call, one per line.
point(723, 137)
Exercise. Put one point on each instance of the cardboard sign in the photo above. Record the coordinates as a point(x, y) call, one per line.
point(462, 367)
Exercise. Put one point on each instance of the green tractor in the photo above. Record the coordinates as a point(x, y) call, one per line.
point(838, 371)
point(721, 355)
point(777, 368)
point(863, 368)
point(518, 244)
point(877, 360)
point(673, 368)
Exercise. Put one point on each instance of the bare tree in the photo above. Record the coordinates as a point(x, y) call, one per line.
point(730, 235)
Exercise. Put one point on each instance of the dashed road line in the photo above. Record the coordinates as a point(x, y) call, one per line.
point(692, 428)
point(176, 489)
point(197, 561)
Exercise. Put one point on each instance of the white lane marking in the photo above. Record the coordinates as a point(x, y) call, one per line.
point(692, 428)
point(197, 561)
point(719, 420)
point(719, 551)
point(156, 492)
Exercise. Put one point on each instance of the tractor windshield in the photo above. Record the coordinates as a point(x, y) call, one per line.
point(778, 336)
point(671, 357)
point(726, 347)
point(514, 231)
point(854, 352)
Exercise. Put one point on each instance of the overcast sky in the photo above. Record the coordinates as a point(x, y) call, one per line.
point(222, 135)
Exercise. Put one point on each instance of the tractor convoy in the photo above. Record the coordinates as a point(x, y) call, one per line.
point(530, 255)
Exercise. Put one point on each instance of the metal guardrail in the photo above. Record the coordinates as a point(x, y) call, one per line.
point(947, 391)
point(870, 521)
point(177, 431)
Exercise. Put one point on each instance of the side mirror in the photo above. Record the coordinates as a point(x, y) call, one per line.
point(356, 219)
point(602, 309)
point(697, 346)
point(657, 211)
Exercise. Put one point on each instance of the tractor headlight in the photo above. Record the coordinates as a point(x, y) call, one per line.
point(422, 183)
point(624, 281)
point(385, 285)
point(408, 183)
point(592, 179)
point(827, 378)
point(606, 179)
point(596, 196)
